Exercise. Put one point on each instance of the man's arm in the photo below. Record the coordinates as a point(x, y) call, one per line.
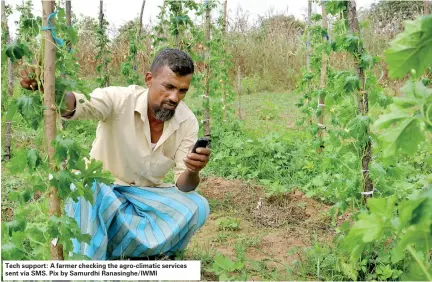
point(70, 102)
point(188, 164)
point(189, 179)
point(101, 105)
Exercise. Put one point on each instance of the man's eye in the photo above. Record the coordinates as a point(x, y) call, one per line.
point(169, 87)
point(183, 91)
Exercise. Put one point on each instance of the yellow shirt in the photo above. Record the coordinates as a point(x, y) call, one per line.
point(123, 140)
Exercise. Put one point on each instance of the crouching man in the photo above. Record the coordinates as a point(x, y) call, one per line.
point(142, 134)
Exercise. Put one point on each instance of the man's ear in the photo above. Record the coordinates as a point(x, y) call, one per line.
point(148, 79)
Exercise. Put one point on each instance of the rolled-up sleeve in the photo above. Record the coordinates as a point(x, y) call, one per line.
point(185, 147)
point(102, 104)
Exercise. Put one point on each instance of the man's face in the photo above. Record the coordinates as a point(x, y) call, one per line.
point(166, 90)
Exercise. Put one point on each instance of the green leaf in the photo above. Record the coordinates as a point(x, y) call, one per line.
point(11, 110)
point(18, 161)
point(416, 90)
point(31, 109)
point(417, 235)
point(17, 51)
point(73, 34)
point(62, 180)
point(367, 61)
point(382, 207)
point(411, 49)
point(405, 137)
point(95, 172)
point(386, 120)
point(223, 262)
point(33, 159)
point(16, 226)
point(352, 83)
point(11, 252)
point(61, 13)
point(369, 228)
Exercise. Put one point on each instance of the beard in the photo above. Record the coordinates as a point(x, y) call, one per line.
point(161, 113)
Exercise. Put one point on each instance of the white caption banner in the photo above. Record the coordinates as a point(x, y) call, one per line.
point(101, 270)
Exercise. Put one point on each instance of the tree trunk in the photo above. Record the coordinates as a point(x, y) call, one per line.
point(239, 91)
point(50, 117)
point(427, 4)
point(308, 43)
point(206, 121)
point(138, 38)
point(224, 31)
point(363, 104)
point(8, 137)
point(321, 100)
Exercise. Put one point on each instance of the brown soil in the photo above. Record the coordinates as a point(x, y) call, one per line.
point(273, 229)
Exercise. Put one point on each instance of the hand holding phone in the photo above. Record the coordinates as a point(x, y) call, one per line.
point(201, 143)
point(196, 161)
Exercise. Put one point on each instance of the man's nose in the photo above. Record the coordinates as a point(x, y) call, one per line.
point(174, 96)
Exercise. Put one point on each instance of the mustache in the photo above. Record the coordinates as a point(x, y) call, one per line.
point(171, 103)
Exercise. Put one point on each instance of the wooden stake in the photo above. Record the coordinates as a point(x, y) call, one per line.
point(239, 91)
point(68, 13)
point(321, 100)
point(206, 102)
point(50, 117)
point(101, 23)
point(8, 135)
point(138, 38)
point(308, 43)
point(362, 99)
point(224, 31)
point(427, 4)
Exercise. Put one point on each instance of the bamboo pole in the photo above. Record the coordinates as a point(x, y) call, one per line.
point(50, 118)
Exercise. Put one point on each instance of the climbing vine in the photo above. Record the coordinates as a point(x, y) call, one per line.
point(32, 231)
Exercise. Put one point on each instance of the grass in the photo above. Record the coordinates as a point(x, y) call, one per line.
point(269, 112)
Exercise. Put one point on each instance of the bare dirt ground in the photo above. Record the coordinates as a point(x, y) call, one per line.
point(271, 230)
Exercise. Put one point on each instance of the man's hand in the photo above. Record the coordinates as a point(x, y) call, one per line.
point(197, 161)
point(30, 77)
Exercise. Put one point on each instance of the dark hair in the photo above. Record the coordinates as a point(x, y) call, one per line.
point(177, 60)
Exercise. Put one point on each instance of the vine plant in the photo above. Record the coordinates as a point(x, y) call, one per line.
point(407, 224)
point(174, 21)
point(392, 238)
point(29, 235)
point(340, 166)
point(103, 53)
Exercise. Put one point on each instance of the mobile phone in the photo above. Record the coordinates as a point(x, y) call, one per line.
point(201, 143)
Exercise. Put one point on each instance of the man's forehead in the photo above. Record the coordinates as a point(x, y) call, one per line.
point(166, 74)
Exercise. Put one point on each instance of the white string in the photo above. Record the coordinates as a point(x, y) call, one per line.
point(321, 125)
point(368, 192)
point(365, 170)
point(202, 121)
